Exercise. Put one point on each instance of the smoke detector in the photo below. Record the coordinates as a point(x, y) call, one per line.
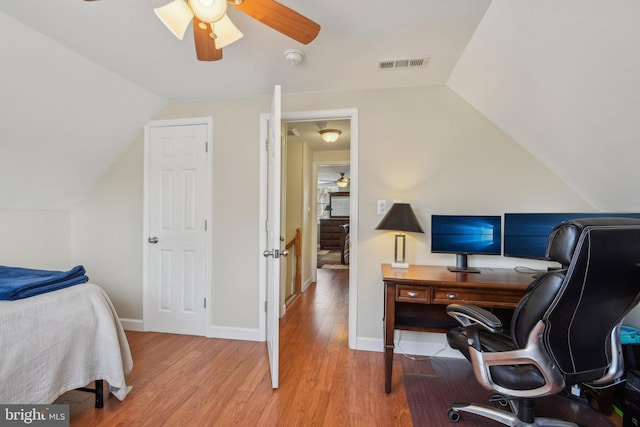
point(294, 56)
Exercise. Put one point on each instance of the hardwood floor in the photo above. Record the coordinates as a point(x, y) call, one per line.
point(194, 381)
point(186, 381)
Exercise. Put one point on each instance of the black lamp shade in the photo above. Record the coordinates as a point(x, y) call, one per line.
point(400, 218)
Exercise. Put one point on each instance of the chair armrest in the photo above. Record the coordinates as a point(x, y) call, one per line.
point(533, 354)
point(467, 315)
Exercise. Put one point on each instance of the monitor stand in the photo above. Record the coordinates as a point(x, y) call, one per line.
point(462, 266)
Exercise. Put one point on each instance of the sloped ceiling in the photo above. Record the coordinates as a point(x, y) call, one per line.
point(63, 120)
point(562, 78)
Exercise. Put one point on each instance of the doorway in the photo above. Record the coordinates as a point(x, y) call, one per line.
point(315, 172)
point(308, 125)
point(333, 200)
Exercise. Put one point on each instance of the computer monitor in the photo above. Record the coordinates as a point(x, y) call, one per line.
point(526, 234)
point(465, 235)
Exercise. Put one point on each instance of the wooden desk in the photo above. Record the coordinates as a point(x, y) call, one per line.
point(416, 299)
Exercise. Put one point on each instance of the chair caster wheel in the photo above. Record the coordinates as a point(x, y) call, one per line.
point(454, 416)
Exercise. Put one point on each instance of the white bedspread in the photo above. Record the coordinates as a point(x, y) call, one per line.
point(59, 341)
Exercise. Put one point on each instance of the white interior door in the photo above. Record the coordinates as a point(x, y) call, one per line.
point(178, 194)
point(272, 252)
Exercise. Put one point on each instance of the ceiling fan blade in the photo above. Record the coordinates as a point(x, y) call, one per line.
point(281, 18)
point(205, 45)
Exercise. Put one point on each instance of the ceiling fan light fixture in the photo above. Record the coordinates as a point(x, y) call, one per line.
point(330, 135)
point(209, 10)
point(176, 16)
point(342, 181)
point(226, 33)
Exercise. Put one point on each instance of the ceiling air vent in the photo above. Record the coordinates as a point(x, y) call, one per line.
point(403, 64)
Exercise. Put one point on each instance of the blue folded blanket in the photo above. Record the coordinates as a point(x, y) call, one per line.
point(17, 283)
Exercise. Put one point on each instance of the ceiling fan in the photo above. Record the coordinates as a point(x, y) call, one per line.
point(213, 30)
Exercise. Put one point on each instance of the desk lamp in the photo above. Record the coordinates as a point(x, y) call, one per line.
point(400, 218)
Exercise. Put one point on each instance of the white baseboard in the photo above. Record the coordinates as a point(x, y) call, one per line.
point(307, 283)
point(132, 324)
point(413, 343)
point(244, 334)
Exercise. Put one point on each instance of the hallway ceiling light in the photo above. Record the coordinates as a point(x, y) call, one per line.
point(330, 135)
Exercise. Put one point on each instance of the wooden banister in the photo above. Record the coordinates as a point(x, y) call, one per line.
point(297, 243)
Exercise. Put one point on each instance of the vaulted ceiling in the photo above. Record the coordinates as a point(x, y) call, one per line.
point(561, 77)
point(558, 76)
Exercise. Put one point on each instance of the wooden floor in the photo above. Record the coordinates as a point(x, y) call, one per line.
point(193, 381)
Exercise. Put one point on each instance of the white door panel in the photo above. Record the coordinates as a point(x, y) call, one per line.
point(272, 230)
point(178, 192)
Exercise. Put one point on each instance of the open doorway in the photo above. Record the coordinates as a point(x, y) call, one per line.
point(316, 179)
point(274, 150)
point(333, 213)
point(308, 207)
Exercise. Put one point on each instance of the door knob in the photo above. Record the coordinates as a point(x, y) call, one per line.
point(275, 253)
point(153, 240)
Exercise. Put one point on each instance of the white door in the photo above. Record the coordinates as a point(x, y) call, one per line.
point(178, 195)
point(272, 252)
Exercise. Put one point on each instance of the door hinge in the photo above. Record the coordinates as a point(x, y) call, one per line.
point(205, 303)
point(265, 306)
point(206, 147)
point(205, 225)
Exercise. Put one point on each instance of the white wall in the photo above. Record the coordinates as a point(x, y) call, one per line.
point(309, 226)
point(106, 232)
point(35, 239)
point(294, 198)
point(424, 145)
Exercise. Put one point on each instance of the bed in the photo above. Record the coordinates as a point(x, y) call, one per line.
point(61, 340)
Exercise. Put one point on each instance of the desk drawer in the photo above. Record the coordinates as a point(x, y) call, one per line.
point(420, 295)
point(479, 297)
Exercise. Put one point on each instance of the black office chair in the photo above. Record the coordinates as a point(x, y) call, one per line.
point(564, 331)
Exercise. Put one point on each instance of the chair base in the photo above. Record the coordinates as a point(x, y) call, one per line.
point(503, 417)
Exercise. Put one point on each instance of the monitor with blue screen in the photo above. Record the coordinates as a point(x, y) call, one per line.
point(526, 234)
point(464, 235)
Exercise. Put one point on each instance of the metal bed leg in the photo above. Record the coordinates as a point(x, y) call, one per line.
point(98, 391)
point(99, 394)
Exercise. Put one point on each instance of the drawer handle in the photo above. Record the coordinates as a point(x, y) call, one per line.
point(452, 296)
point(412, 294)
